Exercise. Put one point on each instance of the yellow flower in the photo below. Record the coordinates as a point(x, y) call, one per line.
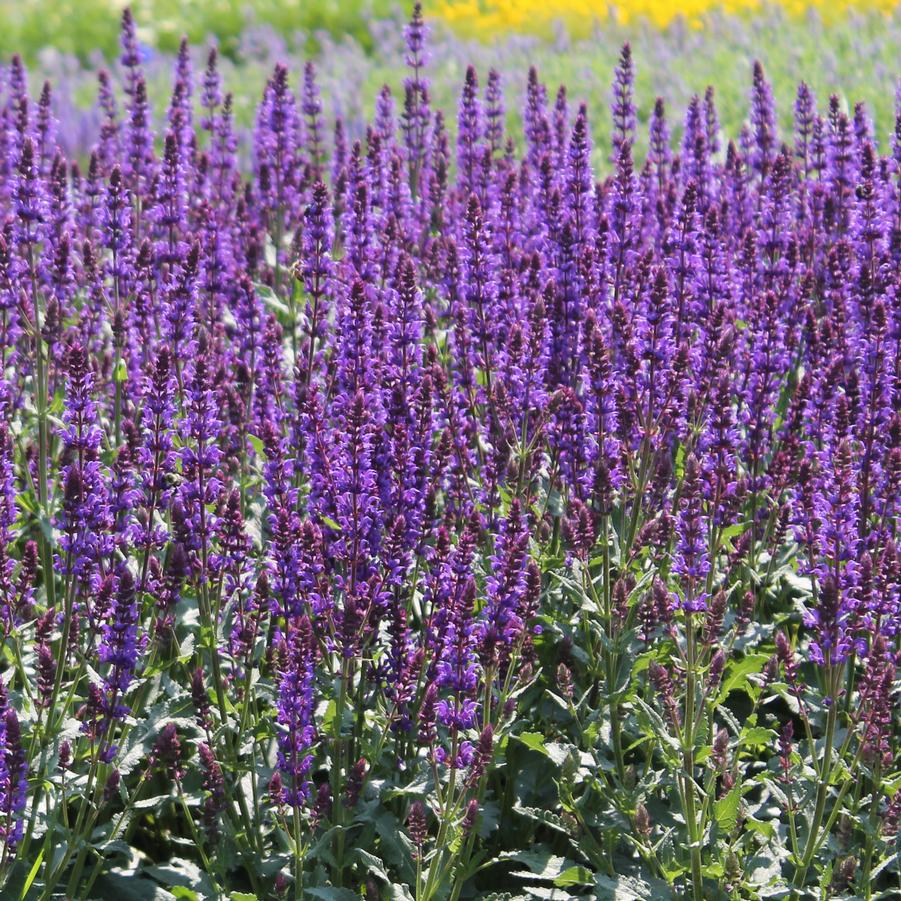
point(485, 18)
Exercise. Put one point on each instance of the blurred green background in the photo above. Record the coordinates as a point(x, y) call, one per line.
point(358, 46)
point(86, 27)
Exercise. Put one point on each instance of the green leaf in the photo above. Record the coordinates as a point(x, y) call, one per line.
point(394, 845)
point(181, 891)
point(546, 817)
point(130, 888)
point(32, 873)
point(242, 896)
point(801, 584)
point(558, 701)
point(787, 694)
point(46, 526)
point(726, 809)
point(737, 674)
point(183, 878)
point(629, 888)
point(257, 444)
point(371, 863)
point(269, 297)
point(555, 751)
point(756, 735)
point(328, 718)
point(330, 893)
point(534, 741)
point(826, 878)
point(761, 827)
point(657, 725)
point(149, 803)
point(574, 876)
point(642, 662)
point(733, 531)
point(545, 892)
point(542, 863)
point(679, 465)
point(714, 870)
point(765, 870)
point(399, 893)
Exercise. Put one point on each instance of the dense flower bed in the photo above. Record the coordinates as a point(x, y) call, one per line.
point(425, 519)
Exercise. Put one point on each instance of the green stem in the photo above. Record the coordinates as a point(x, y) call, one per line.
point(871, 831)
point(437, 863)
point(335, 778)
point(697, 883)
point(298, 857)
point(115, 831)
point(822, 793)
point(207, 866)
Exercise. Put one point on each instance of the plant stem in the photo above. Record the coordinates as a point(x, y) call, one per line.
point(822, 792)
point(335, 778)
point(697, 883)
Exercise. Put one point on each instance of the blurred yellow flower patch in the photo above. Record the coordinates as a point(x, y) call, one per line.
point(484, 18)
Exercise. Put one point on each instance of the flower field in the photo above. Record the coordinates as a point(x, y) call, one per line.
point(474, 500)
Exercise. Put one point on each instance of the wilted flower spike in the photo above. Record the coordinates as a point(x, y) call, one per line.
point(417, 825)
point(166, 752)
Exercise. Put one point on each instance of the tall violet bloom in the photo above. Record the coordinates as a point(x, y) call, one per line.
point(120, 649)
point(295, 716)
point(416, 115)
point(200, 456)
point(690, 559)
point(84, 520)
point(470, 127)
point(13, 781)
point(622, 106)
